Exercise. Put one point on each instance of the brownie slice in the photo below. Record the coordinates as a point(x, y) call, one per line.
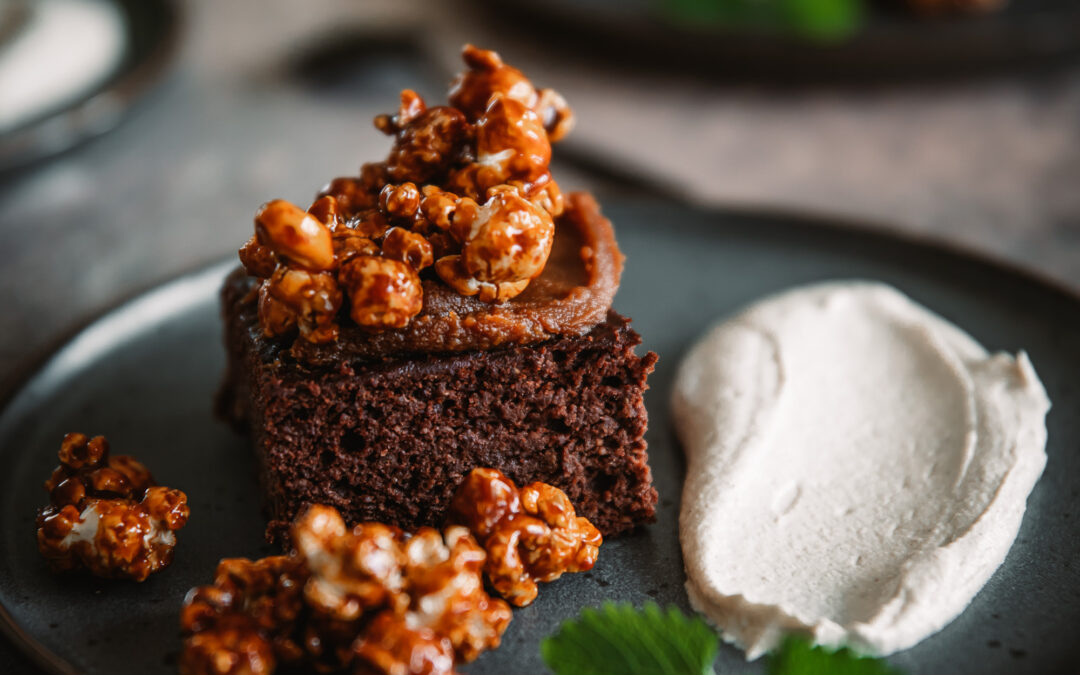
point(390, 440)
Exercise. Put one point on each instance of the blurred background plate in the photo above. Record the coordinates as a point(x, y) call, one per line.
point(73, 68)
point(891, 41)
point(145, 374)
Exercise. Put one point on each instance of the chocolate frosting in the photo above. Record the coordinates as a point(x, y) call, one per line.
point(572, 295)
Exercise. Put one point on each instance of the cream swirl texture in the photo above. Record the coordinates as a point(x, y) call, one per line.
point(858, 467)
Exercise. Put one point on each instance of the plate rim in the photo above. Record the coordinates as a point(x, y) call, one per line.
point(876, 233)
point(22, 146)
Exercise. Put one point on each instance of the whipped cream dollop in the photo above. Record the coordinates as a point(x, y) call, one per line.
point(858, 467)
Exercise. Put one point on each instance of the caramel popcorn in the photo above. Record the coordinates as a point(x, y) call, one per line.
point(327, 210)
point(383, 292)
point(507, 240)
point(354, 195)
point(472, 91)
point(391, 647)
point(351, 572)
point(256, 616)
point(452, 270)
point(295, 235)
point(106, 515)
point(246, 621)
point(511, 148)
point(293, 298)
point(257, 259)
point(427, 142)
point(408, 247)
point(443, 571)
point(369, 598)
point(376, 600)
point(532, 535)
point(234, 648)
point(400, 201)
point(349, 244)
point(464, 197)
point(438, 207)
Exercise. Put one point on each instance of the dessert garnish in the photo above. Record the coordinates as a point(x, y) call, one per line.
point(622, 640)
point(376, 600)
point(799, 656)
point(447, 308)
point(530, 534)
point(106, 514)
point(858, 467)
point(617, 639)
point(465, 196)
point(343, 598)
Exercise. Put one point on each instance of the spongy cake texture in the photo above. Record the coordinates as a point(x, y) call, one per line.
point(390, 440)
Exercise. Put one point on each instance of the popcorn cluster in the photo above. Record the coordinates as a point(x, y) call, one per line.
point(106, 514)
point(372, 599)
point(465, 196)
point(530, 535)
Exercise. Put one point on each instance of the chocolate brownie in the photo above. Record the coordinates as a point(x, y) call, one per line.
point(390, 439)
point(448, 308)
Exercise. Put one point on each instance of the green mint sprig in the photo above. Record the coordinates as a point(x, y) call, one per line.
point(798, 656)
point(622, 640)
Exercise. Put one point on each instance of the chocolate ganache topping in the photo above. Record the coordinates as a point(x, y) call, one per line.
point(460, 240)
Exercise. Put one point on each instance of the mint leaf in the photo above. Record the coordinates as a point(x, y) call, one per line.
point(822, 19)
point(618, 639)
point(797, 656)
point(622, 640)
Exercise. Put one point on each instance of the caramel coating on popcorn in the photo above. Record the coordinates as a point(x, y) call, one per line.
point(465, 196)
point(383, 292)
point(443, 573)
point(427, 143)
point(295, 298)
point(106, 515)
point(376, 600)
point(508, 239)
point(391, 646)
point(487, 76)
point(408, 247)
point(235, 647)
point(246, 622)
point(531, 535)
point(294, 234)
point(367, 598)
point(512, 148)
point(351, 572)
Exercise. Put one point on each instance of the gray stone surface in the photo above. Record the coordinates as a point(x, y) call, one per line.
point(993, 164)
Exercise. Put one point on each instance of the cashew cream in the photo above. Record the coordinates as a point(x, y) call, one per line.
point(858, 467)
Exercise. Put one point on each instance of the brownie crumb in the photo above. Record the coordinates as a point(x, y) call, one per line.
point(390, 440)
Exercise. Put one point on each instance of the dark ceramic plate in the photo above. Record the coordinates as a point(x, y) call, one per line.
point(144, 374)
point(151, 33)
point(891, 42)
